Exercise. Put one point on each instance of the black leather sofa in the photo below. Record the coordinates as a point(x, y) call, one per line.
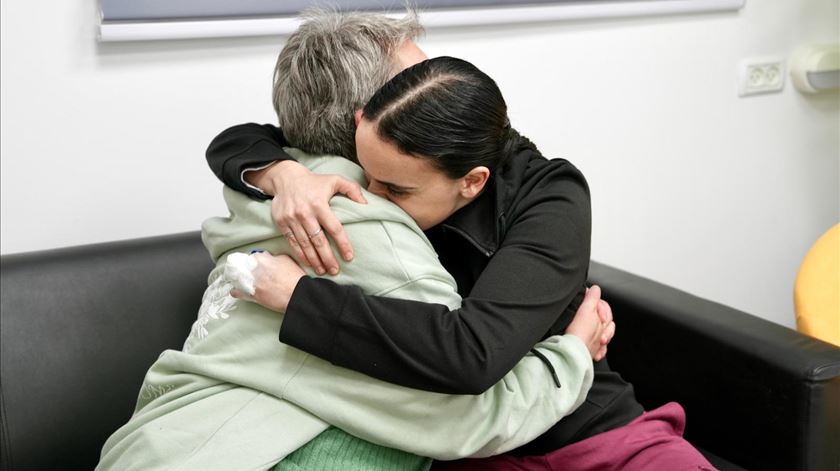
point(81, 325)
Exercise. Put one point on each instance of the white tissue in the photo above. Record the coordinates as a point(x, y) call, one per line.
point(239, 271)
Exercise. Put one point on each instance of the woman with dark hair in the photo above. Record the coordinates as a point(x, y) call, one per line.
point(513, 228)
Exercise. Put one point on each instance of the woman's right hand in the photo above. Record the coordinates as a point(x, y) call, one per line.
point(593, 323)
point(275, 279)
point(301, 211)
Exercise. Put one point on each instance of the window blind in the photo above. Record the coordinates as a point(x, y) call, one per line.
point(137, 20)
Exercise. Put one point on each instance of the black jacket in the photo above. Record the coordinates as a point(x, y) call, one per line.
point(519, 254)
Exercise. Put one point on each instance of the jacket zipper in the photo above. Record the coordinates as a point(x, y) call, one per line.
point(487, 253)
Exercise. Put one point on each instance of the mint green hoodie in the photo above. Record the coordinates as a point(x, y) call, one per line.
point(237, 398)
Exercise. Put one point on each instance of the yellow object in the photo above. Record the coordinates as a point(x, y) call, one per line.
point(816, 294)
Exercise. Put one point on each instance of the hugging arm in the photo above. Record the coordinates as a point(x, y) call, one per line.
point(300, 198)
point(511, 413)
point(538, 273)
point(515, 410)
point(245, 147)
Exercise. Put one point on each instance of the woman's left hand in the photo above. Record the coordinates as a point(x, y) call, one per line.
point(593, 323)
point(275, 279)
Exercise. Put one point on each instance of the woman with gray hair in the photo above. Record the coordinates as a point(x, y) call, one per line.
point(327, 69)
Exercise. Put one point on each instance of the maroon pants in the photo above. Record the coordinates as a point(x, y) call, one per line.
point(652, 441)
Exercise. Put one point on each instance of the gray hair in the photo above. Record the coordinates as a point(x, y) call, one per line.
point(329, 68)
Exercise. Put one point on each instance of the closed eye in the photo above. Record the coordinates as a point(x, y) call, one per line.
point(395, 192)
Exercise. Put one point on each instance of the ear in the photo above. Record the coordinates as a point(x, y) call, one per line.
point(357, 117)
point(474, 181)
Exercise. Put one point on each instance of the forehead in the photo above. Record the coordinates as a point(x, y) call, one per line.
point(408, 54)
point(383, 161)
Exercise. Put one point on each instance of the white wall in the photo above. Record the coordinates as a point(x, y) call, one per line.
point(692, 185)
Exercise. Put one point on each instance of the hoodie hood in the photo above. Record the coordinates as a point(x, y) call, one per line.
point(249, 224)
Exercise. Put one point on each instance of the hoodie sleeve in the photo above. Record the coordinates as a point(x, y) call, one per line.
point(394, 261)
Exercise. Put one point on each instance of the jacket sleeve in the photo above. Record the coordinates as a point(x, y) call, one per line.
point(514, 411)
point(511, 413)
point(243, 147)
point(539, 269)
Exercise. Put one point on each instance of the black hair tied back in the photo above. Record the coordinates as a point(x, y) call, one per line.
point(448, 111)
point(515, 143)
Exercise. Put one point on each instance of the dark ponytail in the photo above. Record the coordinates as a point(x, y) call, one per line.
point(448, 111)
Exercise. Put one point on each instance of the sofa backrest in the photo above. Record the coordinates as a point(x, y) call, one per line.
point(79, 327)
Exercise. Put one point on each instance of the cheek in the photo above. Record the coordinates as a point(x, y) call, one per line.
point(430, 212)
point(411, 207)
point(415, 209)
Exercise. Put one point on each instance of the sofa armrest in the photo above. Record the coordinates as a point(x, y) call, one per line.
point(755, 393)
point(79, 327)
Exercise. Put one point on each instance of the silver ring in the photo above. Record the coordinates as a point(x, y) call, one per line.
point(289, 235)
point(320, 229)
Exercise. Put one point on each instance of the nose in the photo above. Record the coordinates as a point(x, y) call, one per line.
point(378, 190)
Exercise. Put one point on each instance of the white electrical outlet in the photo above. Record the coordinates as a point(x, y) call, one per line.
point(761, 76)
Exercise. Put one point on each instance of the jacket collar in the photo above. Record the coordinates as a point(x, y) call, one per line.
point(482, 222)
point(477, 222)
